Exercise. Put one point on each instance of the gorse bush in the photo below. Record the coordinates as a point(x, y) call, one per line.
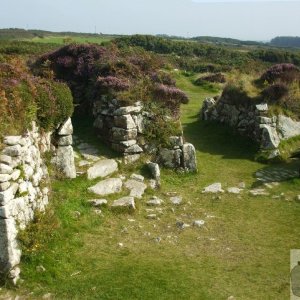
point(25, 98)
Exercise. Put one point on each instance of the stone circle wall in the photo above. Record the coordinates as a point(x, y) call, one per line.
point(252, 120)
point(25, 185)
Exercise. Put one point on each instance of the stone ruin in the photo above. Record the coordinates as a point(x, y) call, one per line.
point(25, 185)
point(252, 120)
point(123, 128)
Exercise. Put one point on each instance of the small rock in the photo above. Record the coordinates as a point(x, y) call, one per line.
point(120, 245)
point(154, 169)
point(40, 269)
point(152, 216)
point(298, 197)
point(153, 184)
point(158, 239)
point(214, 188)
point(259, 192)
point(124, 202)
point(198, 223)
point(98, 211)
point(137, 177)
point(182, 225)
point(76, 214)
point(242, 185)
point(154, 201)
point(176, 200)
point(47, 296)
point(234, 190)
point(83, 163)
point(97, 202)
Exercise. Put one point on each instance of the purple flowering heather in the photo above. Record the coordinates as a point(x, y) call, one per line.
point(285, 72)
point(112, 83)
point(171, 93)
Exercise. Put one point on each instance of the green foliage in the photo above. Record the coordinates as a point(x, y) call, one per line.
point(161, 126)
point(25, 98)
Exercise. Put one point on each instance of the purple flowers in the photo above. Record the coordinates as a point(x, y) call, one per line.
point(112, 83)
point(283, 72)
point(171, 93)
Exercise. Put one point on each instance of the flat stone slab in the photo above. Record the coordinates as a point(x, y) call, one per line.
point(107, 187)
point(137, 177)
point(276, 174)
point(214, 188)
point(136, 188)
point(102, 169)
point(125, 202)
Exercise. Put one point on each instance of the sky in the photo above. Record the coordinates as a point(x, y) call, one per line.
point(259, 20)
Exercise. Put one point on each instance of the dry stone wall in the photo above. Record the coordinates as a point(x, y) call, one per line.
point(252, 120)
point(123, 128)
point(25, 185)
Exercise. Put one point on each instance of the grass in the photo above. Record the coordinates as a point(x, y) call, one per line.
point(243, 249)
point(74, 39)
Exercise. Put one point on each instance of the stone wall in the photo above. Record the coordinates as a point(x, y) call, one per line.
point(24, 186)
point(123, 128)
point(252, 120)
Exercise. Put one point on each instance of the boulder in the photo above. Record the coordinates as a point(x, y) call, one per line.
point(269, 137)
point(64, 140)
point(5, 159)
point(125, 202)
point(102, 169)
point(120, 134)
point(12, 140)
point(136, 188)
point(129, 159)
point(154, 169)
point(170, 158)
point(98, 202)
point(66, 128)
point(12, 151)
point(107, 187)
point(124, 121)
point(287, 127)
point(127, 110)
point(137, 177)
point(64, 161)
point(5, 169)
point(189, 157)
point(134, 149)
point(214, 188)
point(8, 194)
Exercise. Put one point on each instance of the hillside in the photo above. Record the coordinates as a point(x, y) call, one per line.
point(286, 41)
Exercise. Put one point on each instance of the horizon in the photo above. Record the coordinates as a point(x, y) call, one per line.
point(239, 19)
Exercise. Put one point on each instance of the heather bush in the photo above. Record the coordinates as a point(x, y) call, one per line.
point(235, 94)
point(216, 78)
point(275, 92)
point(25, 98)
point(128, 74)
point(281, 72)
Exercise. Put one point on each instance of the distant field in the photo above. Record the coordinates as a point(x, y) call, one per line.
point(66, 39)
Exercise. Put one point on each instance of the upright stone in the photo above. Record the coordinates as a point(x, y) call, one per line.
point(66, 128)
point(189, 157)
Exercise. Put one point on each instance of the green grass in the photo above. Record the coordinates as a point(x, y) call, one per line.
point(242, 251)
point(73, 39)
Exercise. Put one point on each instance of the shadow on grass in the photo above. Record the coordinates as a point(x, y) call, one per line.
point(83, 128)
point(218, 139)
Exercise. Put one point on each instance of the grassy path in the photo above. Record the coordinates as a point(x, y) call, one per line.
point(243, 249)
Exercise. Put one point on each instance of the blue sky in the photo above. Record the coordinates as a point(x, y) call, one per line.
point(255, 20)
